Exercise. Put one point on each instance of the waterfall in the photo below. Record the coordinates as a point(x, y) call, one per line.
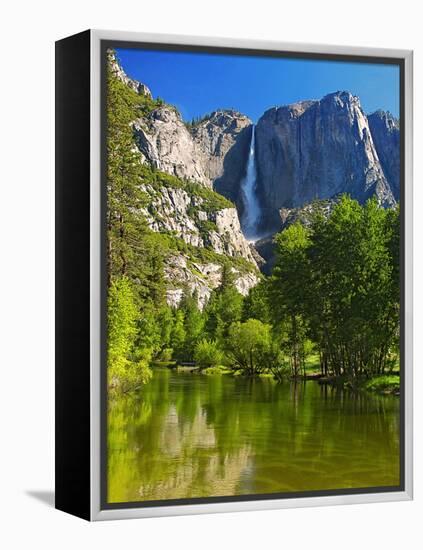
point(252, 213)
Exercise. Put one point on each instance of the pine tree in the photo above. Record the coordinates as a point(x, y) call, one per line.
point(224, 307)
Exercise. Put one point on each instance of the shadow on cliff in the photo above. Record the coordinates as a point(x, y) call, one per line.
point(234, 168)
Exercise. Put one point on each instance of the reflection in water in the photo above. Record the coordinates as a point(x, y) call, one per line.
point(187, 436)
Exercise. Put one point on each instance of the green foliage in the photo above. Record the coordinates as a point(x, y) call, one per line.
point(257, 303)
point(337, 283)
point(384, 384)
point(250, 347)
point(193, 324)
point(205, 227)
point(224, 307)
point(126, 368)
point(135, 258)
point(210, 200)
point(208, 354)
point(165, 322)
point(288, 290)
point(131, 251)
point(178, 335)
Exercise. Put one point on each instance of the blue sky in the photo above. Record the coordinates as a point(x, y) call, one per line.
point(198, 83)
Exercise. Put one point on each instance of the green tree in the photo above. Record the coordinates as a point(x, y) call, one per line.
point(132, 249)
point(193, 323)
point(256, 303)
point(224, 307)
point(249, 347)
point(126, 368)
point(134, 254)
point(123, 178)
point(165, 321)
point(208, 354)
point(290, 287)
point(178, 335)
point(354, 305)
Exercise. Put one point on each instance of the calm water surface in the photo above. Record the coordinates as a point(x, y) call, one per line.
point(187, 435)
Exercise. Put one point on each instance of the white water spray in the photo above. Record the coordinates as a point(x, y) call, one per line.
point(252, 212)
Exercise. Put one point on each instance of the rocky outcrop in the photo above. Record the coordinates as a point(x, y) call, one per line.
point(182, 214)
point(385, 131)
point(305, 214)
point(175, 211)
point(228, 238)
point(224, 138)
point(167, 211)
point(316, 150)
point(167, 144)
point(183, 275)
point(117, 70)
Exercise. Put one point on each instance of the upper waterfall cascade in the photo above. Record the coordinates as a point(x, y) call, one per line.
point(252, 211)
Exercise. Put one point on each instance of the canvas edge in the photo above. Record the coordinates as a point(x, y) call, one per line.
point(95, 278)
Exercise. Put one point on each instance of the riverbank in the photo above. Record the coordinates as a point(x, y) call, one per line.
point(386, 384)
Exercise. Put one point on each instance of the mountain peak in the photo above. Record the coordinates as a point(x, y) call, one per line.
point(342, 99)
point(222, 117)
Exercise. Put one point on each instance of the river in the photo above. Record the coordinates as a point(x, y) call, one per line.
point(186, 435)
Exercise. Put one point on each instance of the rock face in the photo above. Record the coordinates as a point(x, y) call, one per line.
point(316, 150)
point(224, 138)
point(228, 238)
point(212, 152)
point(167, 144)
point(201, 278)
point(168, 211)
point(385, 131)
point(176, 211)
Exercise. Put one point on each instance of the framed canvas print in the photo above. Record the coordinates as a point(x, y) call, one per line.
point(233, 275)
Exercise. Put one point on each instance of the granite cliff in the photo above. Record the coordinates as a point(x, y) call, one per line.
point(224, 137)
point(166, 143)
point(317, 150)
point(385, 131)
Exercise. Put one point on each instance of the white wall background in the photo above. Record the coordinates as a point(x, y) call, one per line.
point(29, 29)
